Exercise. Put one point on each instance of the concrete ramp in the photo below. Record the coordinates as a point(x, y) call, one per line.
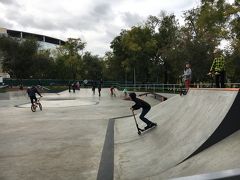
point(185, 124)
point(219, 157)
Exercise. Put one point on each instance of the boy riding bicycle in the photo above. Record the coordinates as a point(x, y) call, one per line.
point(32, 94)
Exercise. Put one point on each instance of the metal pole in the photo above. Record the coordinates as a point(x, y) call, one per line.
point(134, 77)
point(125, 79)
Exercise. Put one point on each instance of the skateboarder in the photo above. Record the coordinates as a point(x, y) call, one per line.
point(139, 103)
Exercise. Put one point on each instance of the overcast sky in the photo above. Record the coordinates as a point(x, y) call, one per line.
point(96, 22)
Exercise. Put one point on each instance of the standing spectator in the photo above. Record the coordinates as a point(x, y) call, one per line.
point(21, 86)
point(78, 85)
point(99, 89)
point(85, 82)
point(125, 92)
point(74, 86)
point(187, 76)
point(112, 90)
point(69, 86)
point(93, 87)
point(218, 69)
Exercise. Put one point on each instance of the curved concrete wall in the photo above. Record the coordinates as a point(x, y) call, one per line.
point(184, 124)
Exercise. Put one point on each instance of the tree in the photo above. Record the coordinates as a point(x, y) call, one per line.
point(44, 65)
point(71, 54)
point(233, 65)
point(18, 56)
point(205, 28)
point(168, 58)
point(133, 50)
point(115, 67)
point(92, 66)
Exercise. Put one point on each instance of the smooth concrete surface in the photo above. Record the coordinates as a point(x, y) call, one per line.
point(232, 174)
point(13, 98)
point(222, 156)
point(57, 143)
point(167, 95)
point(65, 140)
point(184, 124)
point(62, 103)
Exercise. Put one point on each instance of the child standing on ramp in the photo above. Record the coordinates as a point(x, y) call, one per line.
point(139, 103)
point(187, 75)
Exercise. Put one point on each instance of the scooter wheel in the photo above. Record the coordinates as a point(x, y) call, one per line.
point(139, 133)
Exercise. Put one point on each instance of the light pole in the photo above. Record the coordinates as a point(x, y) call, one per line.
point(126, 76)
point(161, 63)
point(134, 78)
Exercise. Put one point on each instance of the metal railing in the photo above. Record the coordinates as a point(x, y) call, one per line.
point(170, 88)
point(153, 87)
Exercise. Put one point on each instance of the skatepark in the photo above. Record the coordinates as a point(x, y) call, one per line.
point(84, 136)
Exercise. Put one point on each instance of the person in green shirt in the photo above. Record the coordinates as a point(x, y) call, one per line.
point(218, 69)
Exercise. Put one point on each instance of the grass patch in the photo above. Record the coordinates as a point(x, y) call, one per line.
point(3, 90)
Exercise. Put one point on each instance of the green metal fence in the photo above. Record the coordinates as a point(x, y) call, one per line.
point(150, 87)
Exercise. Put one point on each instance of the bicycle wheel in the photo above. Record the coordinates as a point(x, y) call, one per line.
point(33, 108)
point(40, 106)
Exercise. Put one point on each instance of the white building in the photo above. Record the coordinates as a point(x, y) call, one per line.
point(46, 42)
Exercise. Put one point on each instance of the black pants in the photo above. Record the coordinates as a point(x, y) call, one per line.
point(33, 98)
point(144, 112)
point(99, 91)
point(220, 78)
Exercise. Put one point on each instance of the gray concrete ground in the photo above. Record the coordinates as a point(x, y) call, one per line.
point(63, 142)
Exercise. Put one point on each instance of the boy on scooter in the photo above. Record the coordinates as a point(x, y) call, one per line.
point(139, 103)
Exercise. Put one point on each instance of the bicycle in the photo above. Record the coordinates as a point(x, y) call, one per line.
point(36, 104)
